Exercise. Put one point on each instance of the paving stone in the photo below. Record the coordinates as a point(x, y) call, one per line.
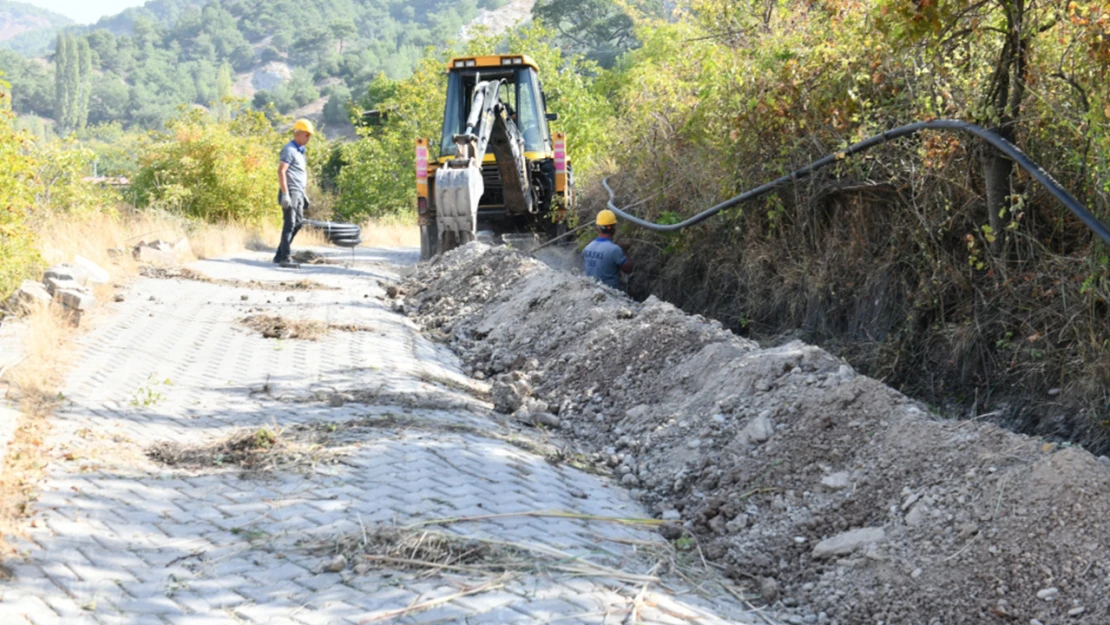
point(152, 604)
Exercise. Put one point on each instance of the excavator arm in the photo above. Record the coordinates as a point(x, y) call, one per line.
point(459, 185)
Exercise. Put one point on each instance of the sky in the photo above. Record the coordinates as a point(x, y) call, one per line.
point(85, 11)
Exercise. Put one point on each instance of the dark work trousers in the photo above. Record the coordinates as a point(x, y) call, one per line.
point(292, 219)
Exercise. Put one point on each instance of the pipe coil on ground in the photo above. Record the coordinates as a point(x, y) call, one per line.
point(341, 235)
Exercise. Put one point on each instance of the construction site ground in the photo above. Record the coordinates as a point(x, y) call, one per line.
point(833, 496)
point(242, 443)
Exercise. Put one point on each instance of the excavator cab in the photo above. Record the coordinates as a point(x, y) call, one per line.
point(520, 93)
point(499, 166)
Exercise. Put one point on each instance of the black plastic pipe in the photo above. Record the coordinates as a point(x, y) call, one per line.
point(342, 235)
point(1004, 146)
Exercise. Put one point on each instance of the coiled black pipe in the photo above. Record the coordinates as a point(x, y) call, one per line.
point(992, 138)
point(342, 235)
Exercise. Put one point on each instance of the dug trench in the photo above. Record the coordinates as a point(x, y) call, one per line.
point(839, 498)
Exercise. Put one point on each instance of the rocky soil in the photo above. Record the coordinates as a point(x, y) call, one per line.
point(836, 497)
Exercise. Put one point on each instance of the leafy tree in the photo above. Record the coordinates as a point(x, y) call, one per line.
point(62, 88)
point(313, 44)
point(18, 256)
point(599, 29)
point(109, 100)
point(342, 30)
point(84, 81)
point(339, 98)
point(223, 91)
point(262, 99)
point(73, 82)
point(242, 57)
point(32, 90)
point(210, 169)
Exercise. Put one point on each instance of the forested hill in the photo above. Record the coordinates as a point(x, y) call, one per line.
point(28, 29)
point(145, 62)
point(162, 12)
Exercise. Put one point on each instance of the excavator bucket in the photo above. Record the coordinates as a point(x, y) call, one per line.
point(457, 191)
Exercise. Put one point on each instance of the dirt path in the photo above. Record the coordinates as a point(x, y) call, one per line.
point(203, 473)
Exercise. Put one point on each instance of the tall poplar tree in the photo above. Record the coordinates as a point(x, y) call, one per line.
point(61, 65)
point(73, 83)
point(84, 82)
point(223, 90)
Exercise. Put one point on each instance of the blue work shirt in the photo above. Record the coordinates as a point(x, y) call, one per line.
point(296, 177)
point(603, 260)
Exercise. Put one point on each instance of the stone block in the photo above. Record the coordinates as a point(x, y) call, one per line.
point(30, 293)
point(53, 285)
point(96, 274)
point(67, 272)
point(848, 542)
point(183, 250)
point(155, 256)
point(74, 300)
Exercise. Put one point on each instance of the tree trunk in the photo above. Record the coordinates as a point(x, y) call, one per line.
point(1007, 93)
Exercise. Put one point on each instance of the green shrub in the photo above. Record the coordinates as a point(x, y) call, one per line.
point(209, 169)
point(19, 258)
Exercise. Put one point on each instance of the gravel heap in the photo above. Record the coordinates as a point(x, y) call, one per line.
point(837, 498)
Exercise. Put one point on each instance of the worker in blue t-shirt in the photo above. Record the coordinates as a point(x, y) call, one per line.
point(605, 259)
point(293, 182)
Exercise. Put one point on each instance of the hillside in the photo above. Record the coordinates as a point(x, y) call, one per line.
point(162, 12)
point(28, 29)
point(148, 61)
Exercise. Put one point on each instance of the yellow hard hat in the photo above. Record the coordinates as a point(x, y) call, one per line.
point(606, 218)
point(304, 125)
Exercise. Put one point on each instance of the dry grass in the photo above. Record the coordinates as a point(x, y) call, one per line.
point(430, 551)
point(253, 450)
point(278, 327)
point(35, 382)
point(399, 231)
point(99, 237)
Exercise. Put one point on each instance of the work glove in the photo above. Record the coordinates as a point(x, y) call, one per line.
point(283, 199)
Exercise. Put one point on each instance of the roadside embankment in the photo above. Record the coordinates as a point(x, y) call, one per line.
point(836, 497)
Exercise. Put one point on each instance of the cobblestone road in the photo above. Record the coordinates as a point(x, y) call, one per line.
point(117, 538)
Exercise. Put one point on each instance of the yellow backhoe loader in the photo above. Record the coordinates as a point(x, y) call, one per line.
point(499, 166)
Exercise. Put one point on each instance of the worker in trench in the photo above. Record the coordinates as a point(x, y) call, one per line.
point(293, 180)
point(604, 258)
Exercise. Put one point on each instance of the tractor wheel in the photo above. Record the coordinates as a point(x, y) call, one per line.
point(429, 241)
point(556, 230)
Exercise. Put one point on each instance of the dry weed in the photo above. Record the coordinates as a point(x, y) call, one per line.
point(101, 237)
point(399, 231)
point(253, 450)
point(35, 381)
point(278, 327)
point(430, 551)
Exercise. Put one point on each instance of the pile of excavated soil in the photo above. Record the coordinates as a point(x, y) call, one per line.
point(838, 498)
